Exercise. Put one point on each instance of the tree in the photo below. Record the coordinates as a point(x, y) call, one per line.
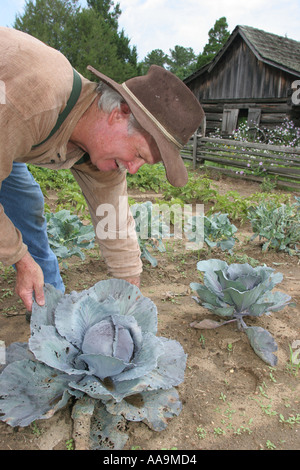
point(100, 47)
point(126, 56)
point(182, 61)
point(218, 35)
point(103, 8)
point(84, 35)
point(105, 48)
point(155, 57)
point(48, 20)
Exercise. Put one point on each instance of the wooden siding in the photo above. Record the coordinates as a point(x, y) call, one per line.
point(240, 75)
point(268, 113)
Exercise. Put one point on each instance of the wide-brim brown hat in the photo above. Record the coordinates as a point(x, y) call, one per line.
point(166, 108)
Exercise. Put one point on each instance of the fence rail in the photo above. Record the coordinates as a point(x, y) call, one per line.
point(247, 160)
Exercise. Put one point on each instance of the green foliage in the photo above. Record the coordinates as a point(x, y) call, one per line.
point(91, 35)
point(70, 197)
point(237, 206)
point(218, 35)
point(49, 20)
point(197, 189)
point(98, 347)
point(148, 178)
point(107, 10)
point(84, 35)
point(237, 291)
point(182, 61)
point(218, 231)
point(268, 184)
point(50, 179)
point(150, 229)
point(279, 225)
point(200, 189)
point(102, 47)
point(232, 203)
point(155, 57)
point(67, 235)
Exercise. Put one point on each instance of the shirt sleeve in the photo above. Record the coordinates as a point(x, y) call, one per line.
point(106, 196)
point(15, 140)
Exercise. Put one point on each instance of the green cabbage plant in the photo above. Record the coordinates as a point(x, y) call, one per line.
point(98, 347)
point(239, 290)
point(150, 229)
point(218, 231)
point(278, 226)
point(67, 235)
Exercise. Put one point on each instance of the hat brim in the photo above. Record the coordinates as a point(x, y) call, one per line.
point(176, 171)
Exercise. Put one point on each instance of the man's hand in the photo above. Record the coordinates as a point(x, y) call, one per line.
point(30, 279)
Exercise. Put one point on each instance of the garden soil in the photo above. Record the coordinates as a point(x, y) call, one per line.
point(231, 399)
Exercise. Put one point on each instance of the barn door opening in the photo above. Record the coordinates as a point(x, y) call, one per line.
point(229, 120)
point(254, 117)
point(232, 117)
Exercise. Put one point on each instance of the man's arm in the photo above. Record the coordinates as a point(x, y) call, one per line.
point(15, 139)
point(104, 190)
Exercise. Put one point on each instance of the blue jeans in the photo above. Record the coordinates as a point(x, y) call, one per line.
point(23, 203)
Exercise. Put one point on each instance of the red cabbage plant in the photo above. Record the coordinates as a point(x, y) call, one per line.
point(238, 291)
point(98, 347)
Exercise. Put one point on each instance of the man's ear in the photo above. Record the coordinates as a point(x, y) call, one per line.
point(125, 109)
point(119, 114)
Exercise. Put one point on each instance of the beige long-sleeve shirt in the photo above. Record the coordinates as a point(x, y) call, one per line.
point(35, 85)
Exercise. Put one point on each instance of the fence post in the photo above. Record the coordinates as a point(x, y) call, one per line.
point(203, 127)
point(194, 150)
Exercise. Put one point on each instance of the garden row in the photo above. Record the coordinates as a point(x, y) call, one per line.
point(274, 217)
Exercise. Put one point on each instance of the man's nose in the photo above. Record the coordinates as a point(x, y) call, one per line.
point(134, 166)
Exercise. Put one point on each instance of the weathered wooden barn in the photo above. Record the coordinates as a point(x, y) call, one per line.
point(254, 77)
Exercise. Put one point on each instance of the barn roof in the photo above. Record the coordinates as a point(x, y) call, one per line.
point(278, 51)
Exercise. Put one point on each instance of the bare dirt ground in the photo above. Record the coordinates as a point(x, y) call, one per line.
point(231, 399)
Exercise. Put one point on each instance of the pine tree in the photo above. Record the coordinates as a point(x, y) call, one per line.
point(86, 36)
point(155, 57)
point(218, 35)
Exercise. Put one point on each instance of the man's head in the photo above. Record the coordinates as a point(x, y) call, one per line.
point(166, 114)
point(108, 132)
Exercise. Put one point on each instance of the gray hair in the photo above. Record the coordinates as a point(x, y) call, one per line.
point(111, 99)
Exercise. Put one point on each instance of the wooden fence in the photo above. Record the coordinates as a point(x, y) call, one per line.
point(247, 160)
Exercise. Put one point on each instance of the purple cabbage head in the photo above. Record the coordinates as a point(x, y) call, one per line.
point(100, 343)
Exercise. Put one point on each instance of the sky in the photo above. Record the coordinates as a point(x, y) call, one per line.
point(163, 24)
